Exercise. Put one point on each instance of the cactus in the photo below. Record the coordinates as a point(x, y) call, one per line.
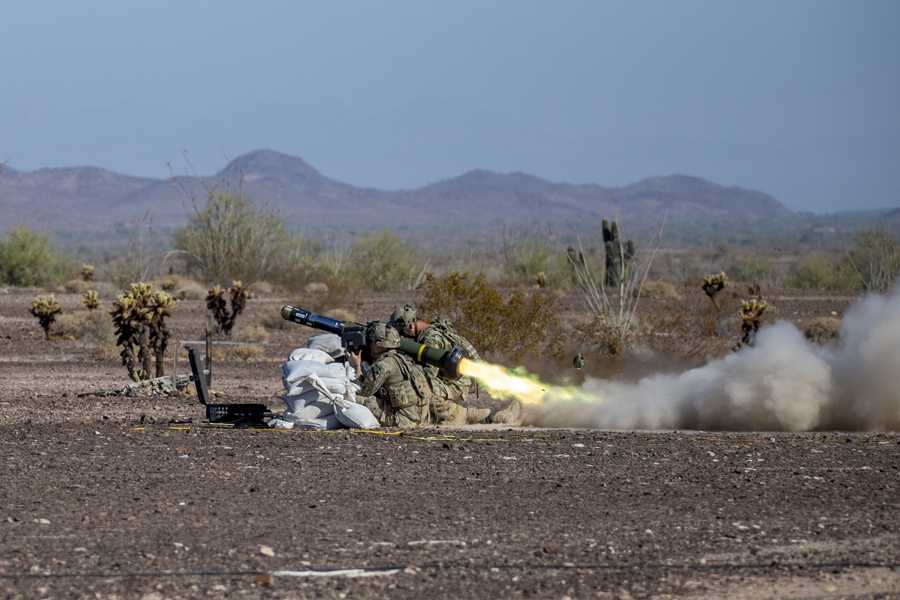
point(87, 272)
point(139, 317)
point(90, 300)
point(45, 308)
point(751, 319)
point(713, 284)
point(619, 254)
point(215, 301)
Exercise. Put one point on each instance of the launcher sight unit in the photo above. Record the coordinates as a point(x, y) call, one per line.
point(354, 339)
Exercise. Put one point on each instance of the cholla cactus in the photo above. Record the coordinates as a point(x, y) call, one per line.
point(87, 272)
point(713, 284)
point(133, 313)
point(751, 319)
point(90, 300)
point(215, 301)
point(45, 308)
point(158, 310)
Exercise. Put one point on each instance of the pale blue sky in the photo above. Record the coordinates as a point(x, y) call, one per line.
point(798, 99)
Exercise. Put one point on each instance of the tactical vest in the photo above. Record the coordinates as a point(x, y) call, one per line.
point(415, 389)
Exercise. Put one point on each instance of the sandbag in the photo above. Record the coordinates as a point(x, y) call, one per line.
point(297, 388)
point(313, 354)
point(355, 416)
point(298, 369)
point(297, 402)
point(324, 423)
point(312, 410)
point(329, 343)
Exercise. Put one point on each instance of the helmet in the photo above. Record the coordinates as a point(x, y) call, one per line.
point(403, 317)
point(382, 334)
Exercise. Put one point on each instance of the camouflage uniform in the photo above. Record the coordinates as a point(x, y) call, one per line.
point(447, 394)
point(395, 389)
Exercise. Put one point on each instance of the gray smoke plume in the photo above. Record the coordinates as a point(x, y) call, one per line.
point(783, 383)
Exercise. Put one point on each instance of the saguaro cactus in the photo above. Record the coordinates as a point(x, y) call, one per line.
point(619, 254)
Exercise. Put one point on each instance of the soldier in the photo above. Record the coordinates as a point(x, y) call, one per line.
point(395, 388)
point(449, 395)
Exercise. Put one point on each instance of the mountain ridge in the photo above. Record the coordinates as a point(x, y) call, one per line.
point(93, 198)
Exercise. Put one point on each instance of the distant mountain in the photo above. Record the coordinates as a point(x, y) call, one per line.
point(93, 199)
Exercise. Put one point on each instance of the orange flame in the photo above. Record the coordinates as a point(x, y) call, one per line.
point(513, 383)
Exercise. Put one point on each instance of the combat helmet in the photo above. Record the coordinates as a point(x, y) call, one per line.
point(382, 334)
point(403, 317)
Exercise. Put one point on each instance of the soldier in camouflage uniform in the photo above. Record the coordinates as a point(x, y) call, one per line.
point(449, 395)
point(395, 388)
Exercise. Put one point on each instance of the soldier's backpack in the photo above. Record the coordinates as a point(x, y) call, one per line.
point(449, 331)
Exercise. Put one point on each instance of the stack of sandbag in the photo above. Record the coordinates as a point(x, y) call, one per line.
point(319, 392)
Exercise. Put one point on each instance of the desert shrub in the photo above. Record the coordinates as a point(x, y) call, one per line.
point(823, 329)
point(811, 273)
point(684, 329)
point(180, 287)
point(87, 272)
point(76, 286)
point(305, 261)
point(95, 327)
point(512, 326)
point(246, 351)
point(752, 269)
point(216, 303)
point(269, 317)
point(342, 314)
point(252, 334)
point(657, 289)
point(232, 238)
point(261, 287)
point(27, 259)
point(876, 258)
point(383, 261)
point(324, 297)
point(45, 309)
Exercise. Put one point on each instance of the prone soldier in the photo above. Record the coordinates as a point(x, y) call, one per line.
point(448, 401)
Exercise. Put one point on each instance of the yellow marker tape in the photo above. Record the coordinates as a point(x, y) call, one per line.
point(180, 428)
point(378, 432)
point(421, 350)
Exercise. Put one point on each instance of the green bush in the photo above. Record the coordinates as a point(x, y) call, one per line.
point(383, 261)
point(27, 259)
point(232, 238)
point(811, 273)
point(512, 327)
point(876, 258)
point(752, 269)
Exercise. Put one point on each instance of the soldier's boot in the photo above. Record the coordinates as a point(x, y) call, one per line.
point(452, 415)
point(511, 415)
point(477, 415)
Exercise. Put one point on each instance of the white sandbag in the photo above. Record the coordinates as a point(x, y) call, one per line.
point(355, 416)
point(329, 343)
point(298, 369)
point(277, 423)
point(313, 354)
point(313, 410)
point(325, 423)
point(337, 387)
point(295, 403)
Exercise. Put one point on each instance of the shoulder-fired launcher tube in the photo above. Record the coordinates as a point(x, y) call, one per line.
point(445, 360)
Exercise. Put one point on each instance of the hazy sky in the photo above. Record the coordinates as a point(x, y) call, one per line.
point(799, 99)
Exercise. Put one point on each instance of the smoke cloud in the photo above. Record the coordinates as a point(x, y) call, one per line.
point(783, 383)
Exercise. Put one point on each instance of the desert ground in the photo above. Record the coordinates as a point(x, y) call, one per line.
point(105, 496)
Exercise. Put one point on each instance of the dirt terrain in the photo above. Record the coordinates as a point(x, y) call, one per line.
point(138, 497)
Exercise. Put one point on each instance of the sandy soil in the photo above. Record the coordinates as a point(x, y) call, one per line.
point(139, 498)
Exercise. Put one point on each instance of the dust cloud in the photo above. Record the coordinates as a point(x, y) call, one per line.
point(783, 383)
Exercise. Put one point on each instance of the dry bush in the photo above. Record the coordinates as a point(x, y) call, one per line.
point(823, 329)
point(181, 287)
point(515, 326)
point(94, 327)
point(677, 328)
point(261, 287)
point(77, 286)
point(246, 351)
point(342, 314)
point(658, 289)
point(269, 317)
point(325, 297)
point(106, 350)
point(252, 334)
